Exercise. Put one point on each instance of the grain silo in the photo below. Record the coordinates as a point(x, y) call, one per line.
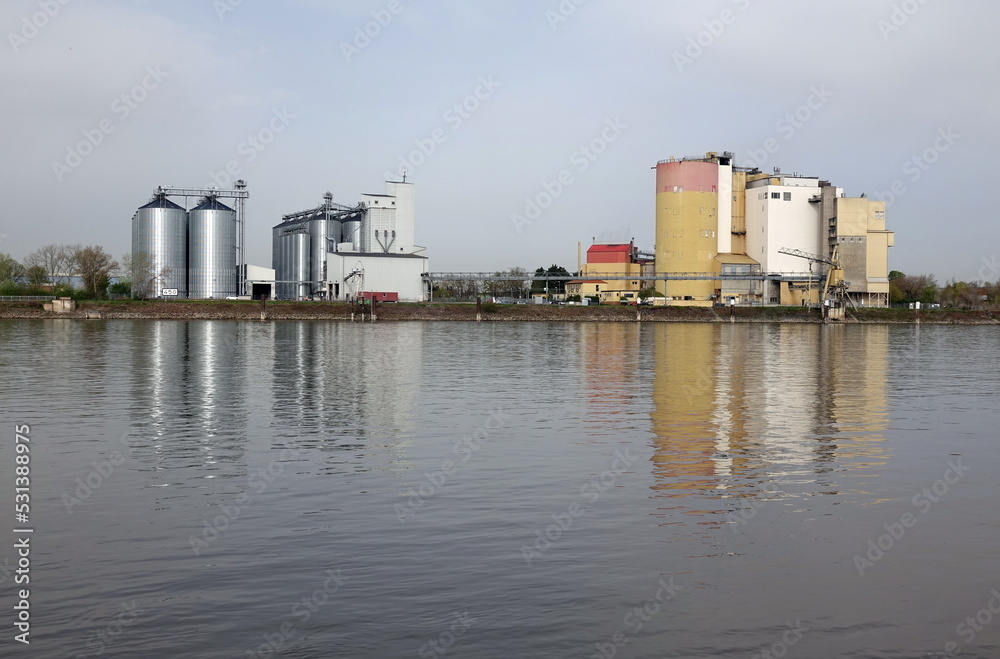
point(159, 248)
point(213, 270)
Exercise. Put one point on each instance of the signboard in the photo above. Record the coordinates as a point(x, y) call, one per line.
point(169, 292)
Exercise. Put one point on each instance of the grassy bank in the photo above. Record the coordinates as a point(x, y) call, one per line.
point(241, 310)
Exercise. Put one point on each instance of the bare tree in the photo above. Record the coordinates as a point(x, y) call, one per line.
point(146, 278)
point(56, 259)
point(95, 267)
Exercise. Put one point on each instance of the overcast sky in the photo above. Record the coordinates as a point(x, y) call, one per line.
point(297, 99)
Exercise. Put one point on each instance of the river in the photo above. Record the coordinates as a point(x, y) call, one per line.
point(333, 489)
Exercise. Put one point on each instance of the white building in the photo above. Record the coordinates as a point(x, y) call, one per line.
point(337, 252)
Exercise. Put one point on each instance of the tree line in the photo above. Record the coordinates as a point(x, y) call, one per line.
point(50, 270)
point(906, 289)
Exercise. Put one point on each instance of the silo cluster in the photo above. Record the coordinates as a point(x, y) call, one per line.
point(194, 252)
point(301, 242)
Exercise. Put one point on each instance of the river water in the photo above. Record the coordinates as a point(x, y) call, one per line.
point(311, 489)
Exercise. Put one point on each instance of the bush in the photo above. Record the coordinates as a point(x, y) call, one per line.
point(489, 307)
point(573, 298)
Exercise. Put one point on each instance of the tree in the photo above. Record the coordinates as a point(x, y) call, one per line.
point(913, 288)
point(962, 295)
point(36, 276)
point(57, 260)
point(10, 270)
point(146, 280)
point(506, 283)
point(556, 286)
point(95, 267)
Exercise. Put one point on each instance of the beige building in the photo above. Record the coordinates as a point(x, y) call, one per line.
point(716, 222)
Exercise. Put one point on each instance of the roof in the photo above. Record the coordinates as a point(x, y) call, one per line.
point(161, 202)
point(587, 281)
point(211, 205)
point(740, 259)
point(627, 247)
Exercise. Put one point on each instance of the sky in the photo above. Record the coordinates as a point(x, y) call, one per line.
point(526, 127)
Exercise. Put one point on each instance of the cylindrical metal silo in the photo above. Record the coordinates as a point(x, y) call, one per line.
point(159, 248)
point(212, 257)
point(298, 259)
point(350, 231)
point(318, 234)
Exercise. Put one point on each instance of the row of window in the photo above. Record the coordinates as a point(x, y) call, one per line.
point(786, 196)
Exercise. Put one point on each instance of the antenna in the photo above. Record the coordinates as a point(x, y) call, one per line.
point(404, 175)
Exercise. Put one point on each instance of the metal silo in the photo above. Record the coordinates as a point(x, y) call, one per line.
point(291, 256)
point(160, 248)
point(297, 242)
point(212, 257)
point(351, 231)
point(319, 227)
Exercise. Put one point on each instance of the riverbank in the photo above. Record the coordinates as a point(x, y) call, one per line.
point(242, 310)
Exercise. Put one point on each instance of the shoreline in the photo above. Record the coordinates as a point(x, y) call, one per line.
point(396, 312)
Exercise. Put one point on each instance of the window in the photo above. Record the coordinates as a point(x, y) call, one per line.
point(775, 195)
point(788, 196)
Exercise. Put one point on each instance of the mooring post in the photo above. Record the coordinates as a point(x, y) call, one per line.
point(479, 309)
point(263, 306)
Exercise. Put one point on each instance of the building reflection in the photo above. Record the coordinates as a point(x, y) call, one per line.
point(346, 386)
point(204, 393)
point(188, 395)
point(609, 356)
point(754, 410)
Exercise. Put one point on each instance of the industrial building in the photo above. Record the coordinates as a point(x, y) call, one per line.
point(618, 260)
point(196, 253)
point(715, 218)
point(339, 252)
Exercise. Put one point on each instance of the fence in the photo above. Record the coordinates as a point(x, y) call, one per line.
point(27, 298)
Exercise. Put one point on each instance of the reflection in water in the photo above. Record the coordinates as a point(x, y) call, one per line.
point(352, 386)
point(759, 410)
point(189, 406)
point(609, 355)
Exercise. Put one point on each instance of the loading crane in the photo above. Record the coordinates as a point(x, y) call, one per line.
point(834, 286)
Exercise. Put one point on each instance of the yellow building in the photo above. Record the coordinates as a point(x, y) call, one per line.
point(613, 272)
point(717, 222)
